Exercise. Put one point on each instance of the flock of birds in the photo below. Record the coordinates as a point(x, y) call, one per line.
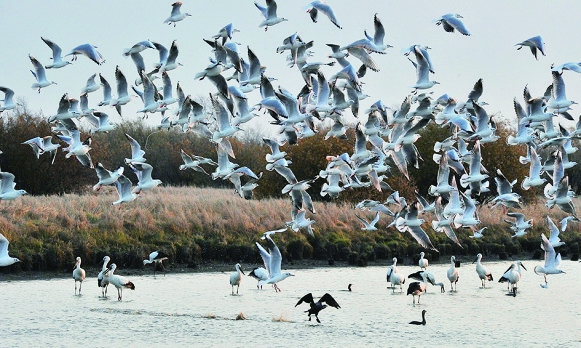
point(385, 139)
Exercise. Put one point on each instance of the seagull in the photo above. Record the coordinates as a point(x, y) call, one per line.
point(552, 260)
point(78, 275)
point(123, 96)
point(143, 172)
point(138, 47)
point(194, 162)
point(136, 152)
point(320, 6)
point(423, 322)
point(106, 177)
point(269, 13)
point(367, 225)
point(453, 274)
point(477, 234)
point(236, 278)
point(39, 74)
point(123, 186)
point(57, 59)
point(118, 281)
point(451, 22)
point(318, 306)
point(535, 43)
point(483, 272)
point(5, 259)
point(176, 15)
point(150, 104)
point(102, 282)
point(379, 34)
point(423, 263)
point(156, 257)
point(89, 51)
point(272, 261)
point(77, 148)
point(554, 234)
point(9, 103)
point(170, 62)
point(7, 191)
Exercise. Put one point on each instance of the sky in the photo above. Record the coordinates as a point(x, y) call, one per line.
point(459, 61)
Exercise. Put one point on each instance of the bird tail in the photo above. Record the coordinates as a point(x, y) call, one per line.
point(130, 285)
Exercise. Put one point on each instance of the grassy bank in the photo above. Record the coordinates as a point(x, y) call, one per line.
point(198, 227)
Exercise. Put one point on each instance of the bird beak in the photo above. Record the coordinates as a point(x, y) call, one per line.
point(475, 260)
point(523, 266)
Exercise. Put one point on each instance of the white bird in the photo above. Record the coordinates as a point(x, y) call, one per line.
point(89, 51)
point(156, 257)
point(136, 152)
point(236, 278)
point(552, 259)
point(422, 71)
point(170, 62)
point(91, 85)
point(150, 104)
point(261, 274)
point(554, 234)
point(451, 22)
point(139, 47)
point(5, 259)
point(369, 225)
point(394, 277)
point(379, 34)
point(536, 45)
point(176, 15)
point(123, 186)
point(100, 121)
point(9, 103)
point(145, 181)
point(78, 275)
point(512, 276)
point(39, 74)
point(269, 13)
point(272, 261)
point(483, 273)
point(102, 281)
point(535, 171)
point(7, 191)
point(77, 148)
point(477, 234)
point(319, 6)
point(118, 281)
point(422, 262)
point(57, 59)
point(417, 288)
point(123, 96)
point(427, 277)
point(106, 177)
point(453, 274)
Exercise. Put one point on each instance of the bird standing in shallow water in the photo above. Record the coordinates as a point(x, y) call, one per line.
point(236, 278)
point(423, 322)
point(453, 274)
point(483, 273)
point(318, 306)
point(78, 275)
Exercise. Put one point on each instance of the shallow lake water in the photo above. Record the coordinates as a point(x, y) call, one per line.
point(198, 309)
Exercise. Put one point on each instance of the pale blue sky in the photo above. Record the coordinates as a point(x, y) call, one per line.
point(459, 61)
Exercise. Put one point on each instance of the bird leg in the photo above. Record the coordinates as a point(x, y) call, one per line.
point(317, 317)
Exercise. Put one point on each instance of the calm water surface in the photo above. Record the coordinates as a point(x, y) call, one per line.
point(198, 310)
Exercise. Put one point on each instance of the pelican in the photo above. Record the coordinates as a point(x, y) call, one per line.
point(5, 259)
point(512, 275)
point(156, 257)
point(552, 260)
point(78, 275)
point(318, 306)
point(453, 274)
point(102, 282)
point(236, 278)
point(118, 281)
point(417, 288)
point(394, 277)
point(483, 272)
point(423, 263)
point(261, 274)
point(429, 277)
point(423, 322)
point(272, 261)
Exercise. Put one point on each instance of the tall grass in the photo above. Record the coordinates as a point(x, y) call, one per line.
point(194, 225)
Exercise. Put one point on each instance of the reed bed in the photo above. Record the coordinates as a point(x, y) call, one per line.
point(195, 225)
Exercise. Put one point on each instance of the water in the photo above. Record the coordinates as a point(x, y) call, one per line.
point(198, 310)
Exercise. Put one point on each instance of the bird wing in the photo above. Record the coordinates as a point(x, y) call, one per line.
point(327, 298)
point(308, 298)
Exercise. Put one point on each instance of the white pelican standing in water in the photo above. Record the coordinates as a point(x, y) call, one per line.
point(512, 276)
point(118, 281)
point(101, 280)
point(394, 277)
point(453, 274)
point(261, 274)
point(552, 260)
point(78, 275)
point(236, 278)
point(423, 262)
point(483, 272)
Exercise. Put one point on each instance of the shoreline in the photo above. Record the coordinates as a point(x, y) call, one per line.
point(211, 266)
